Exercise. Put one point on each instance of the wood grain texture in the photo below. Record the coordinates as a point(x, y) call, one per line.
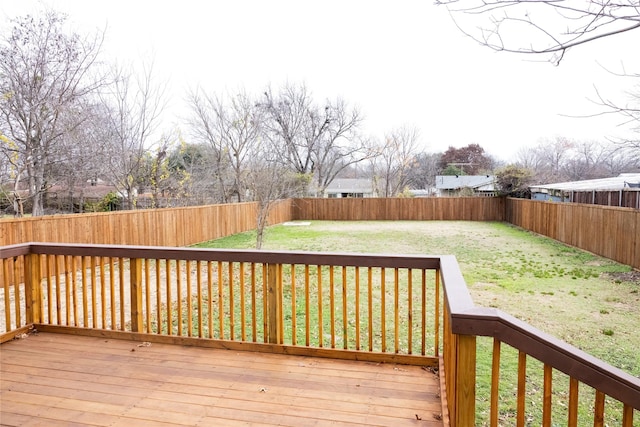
point(57, 379)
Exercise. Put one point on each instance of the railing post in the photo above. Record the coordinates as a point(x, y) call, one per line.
point(135, 271)
point(32, 288)
point(465, 378)
point(274, 304)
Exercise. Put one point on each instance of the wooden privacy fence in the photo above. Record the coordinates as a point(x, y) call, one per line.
point(611, 232)
point(157, 227)
point(404, 309)
point(422, 209)
point(607, 231)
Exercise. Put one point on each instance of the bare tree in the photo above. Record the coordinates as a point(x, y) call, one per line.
point(395, 158)
point(543, 26)
point(133, 105)
point(232, 128)
point(268, 182)
point(318, 142)
point(44, 71)
point(423, 171)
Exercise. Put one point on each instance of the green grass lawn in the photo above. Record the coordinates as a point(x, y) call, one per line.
point(588, 301)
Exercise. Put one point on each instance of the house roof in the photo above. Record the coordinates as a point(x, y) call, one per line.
point(350, 185)
point(455, 182)
point(613, 183)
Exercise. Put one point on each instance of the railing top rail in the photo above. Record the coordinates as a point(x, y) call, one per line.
point(232, 255)
point(14, 250)
point(467, 319)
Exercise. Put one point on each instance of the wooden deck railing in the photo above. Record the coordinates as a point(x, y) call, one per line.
point(552, 383)
point(407, 309)
point(359, 304)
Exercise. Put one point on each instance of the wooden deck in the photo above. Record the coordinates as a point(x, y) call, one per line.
point(54, 379)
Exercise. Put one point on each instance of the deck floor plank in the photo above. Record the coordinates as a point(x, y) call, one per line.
point(58, 379)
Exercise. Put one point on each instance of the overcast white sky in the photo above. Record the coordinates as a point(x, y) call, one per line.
point(402, 62)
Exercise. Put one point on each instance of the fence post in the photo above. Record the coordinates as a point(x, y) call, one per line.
point(33, 289)
point(135, 271)
point(465, 378)
point(274, 304)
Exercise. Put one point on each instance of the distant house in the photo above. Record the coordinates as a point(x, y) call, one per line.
point(341, 188)
point(568, 191)
point(466, 185)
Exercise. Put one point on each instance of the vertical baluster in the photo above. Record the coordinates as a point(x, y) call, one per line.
point(345, 318)
point(320, 329)
point(85, 296)
point(546, 398)
point(522, 385)
point(68, 288)
point(598, 410)
point(254, 307)
point(265, 322)
point(307, 307)
point(293, 304)
point(16, 291)
point(147, 295)
point(103, 294)
point(179, 296)
point(210, 297)
point(410, 311)
point(436, 344)
point(573, 402)
point(232, 333)
point(357, 290)
point(167, 266)
point(370, 305)
point(495, 384)
point(243, 309)
point(627, 416)
point(74, 268)
point(187, 270)
point(33, 289)
point(56, 270)
point(121, 283)
point(199, 297)
point(94, 289)
point(332, 307)
point(396, 310)
point(49, 290)
point(383, 308)
point(112, 293)
point(135, 283)
point(220, 302)
point(7, 291)
point(158, 298)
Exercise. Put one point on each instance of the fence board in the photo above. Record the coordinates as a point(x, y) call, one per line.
point(611, 232)
point(149, 227)
point(607, 231)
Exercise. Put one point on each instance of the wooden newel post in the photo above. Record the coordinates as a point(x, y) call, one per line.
point(135, 271)
point(274, 304)
point(465, 378)
point(33, 289)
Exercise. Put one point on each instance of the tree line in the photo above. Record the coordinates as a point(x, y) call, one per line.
point(67, 118)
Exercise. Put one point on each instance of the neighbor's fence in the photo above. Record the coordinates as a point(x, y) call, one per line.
point(161, 227)
point(611, 232)
point(625, 198)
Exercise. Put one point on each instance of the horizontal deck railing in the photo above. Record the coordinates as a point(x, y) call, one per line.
point(552, 383)
point(363, 304)
point(409, 309)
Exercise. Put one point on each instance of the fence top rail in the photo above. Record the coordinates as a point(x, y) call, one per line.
point(468, 319)
point(430, 262)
